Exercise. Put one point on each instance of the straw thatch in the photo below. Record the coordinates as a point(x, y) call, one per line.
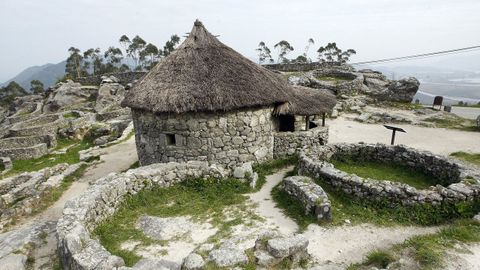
point(203, 74)
point(307, 101)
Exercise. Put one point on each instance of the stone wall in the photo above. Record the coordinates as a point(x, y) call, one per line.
point(311, 195)
point(19, 142)
point(290, 143)
point(123, 77)
point(30, 152)
point(227, 139)
point(19, 195)
point(78, 250)
point(294, 67)
point(464, 181)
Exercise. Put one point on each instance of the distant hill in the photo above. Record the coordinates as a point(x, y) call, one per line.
point(47, 74)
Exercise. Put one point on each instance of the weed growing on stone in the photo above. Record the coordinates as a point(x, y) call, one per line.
point(427, 250)
point(383, 171)
point(472, 158)
point(201, 199)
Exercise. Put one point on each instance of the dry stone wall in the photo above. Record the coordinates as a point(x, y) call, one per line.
point(20, 194)
point(227, 139)
point(123, 77)
point(291, 143)
point(78, 250)
point(460, 183)
point(312, 196)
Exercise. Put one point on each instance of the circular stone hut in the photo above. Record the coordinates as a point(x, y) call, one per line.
point(206, 102)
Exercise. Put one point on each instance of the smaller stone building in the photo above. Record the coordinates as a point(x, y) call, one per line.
point(207, 102)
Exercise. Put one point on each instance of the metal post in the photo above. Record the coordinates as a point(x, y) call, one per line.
point(323, 119)
point(393, 137)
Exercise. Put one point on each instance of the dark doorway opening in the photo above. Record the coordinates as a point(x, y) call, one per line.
point(286, 123)
point(312, 125)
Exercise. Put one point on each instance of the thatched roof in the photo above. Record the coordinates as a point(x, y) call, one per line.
point(307, 101)
point(203, 74)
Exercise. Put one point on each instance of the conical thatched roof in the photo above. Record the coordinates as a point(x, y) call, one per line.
point(203, 74)
point(307, 101)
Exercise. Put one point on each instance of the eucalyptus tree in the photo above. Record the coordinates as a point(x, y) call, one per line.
point(264, 53)
point(92, 58)
point(331, 53)
point(136, 46)
point(149, 55)
point(113, 56)
point(283, 48)
point(73, 66)
point(170, 45)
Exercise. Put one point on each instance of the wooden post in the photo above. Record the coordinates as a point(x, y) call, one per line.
point(307, 122)
point(323, 119)
point(393, 137)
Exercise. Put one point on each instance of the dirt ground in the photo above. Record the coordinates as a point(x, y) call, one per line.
point(437, 140)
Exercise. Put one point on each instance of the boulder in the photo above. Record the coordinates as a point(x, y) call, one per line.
point(109, 95)
point(193, 262)
point(66, 95)
point(13, 262)
point(401, 91)
point(227, 256)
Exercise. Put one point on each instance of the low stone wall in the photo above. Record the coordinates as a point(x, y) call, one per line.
point(123, 77)
point(78, 250)
point(32, 109)
point(312, 196)
point(30, 152)
point(20, 142)
point(46, 124)
point(105, 116)
point(293, 67)
point(20, 194)
point(291, 143)
point(460, 183)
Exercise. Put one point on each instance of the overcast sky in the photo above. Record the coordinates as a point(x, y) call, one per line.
point(36, 32)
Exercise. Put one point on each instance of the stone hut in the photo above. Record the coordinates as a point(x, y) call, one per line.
point(206, 102)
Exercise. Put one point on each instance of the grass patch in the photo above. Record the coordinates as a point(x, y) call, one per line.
point(401, 105)
point(468, 105)
point(70, 157)
point(70, 115)
point(428, 250)
point(453, 122)
point(270, 167)
point(199, 198)
point(384, 171)
point(472, 158)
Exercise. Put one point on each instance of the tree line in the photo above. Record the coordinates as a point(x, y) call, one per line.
point(95, 62)
point(329, 53)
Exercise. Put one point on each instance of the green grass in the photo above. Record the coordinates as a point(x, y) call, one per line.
point(454, 123)
point(472, 158)
point(198, 198)
point(270, 167)
point(468, 105)
point(70, 115)
point(428, 250)
point(383, 171)
point(401, 105)
point(70, 157)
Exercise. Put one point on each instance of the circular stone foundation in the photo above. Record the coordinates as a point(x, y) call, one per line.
point(454, 182)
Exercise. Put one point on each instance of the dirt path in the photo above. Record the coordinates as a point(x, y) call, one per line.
point(266, 206)
point(115, 158)
point(467, 258)
point(437, 140)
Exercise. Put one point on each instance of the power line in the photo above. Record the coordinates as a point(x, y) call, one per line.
point(423, 55)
